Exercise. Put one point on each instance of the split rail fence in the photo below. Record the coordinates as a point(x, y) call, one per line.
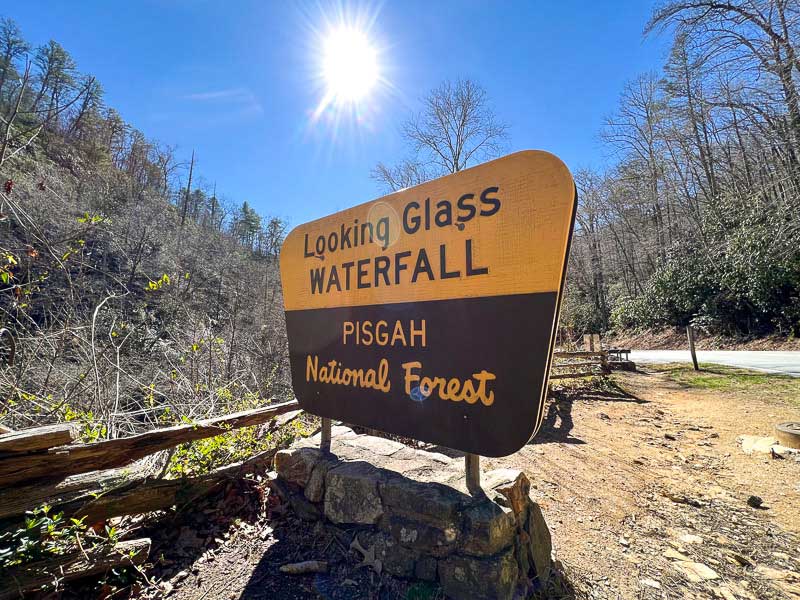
point(569, 365)
point(45, 465)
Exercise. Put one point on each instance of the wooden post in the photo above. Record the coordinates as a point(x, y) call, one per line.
point(325, 435)
point(605, 367)
point(690, 336)
point(472, 463)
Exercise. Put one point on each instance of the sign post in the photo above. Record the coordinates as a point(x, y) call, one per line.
point(431, 313)
point(472, 468)
point(325, 435)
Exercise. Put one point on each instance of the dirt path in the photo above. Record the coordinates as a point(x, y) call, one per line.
point(637, 486)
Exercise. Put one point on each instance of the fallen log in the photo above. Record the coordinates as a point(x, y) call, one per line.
point(74, 488)
point(145, 495)
point(70, 567)
point(37, 438)
point(80, 458)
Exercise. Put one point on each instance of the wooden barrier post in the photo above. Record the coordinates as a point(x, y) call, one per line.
point(472, 463)
point(690, 336)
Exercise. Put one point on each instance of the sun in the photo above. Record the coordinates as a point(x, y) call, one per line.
point(349, 65)
point(349, 71)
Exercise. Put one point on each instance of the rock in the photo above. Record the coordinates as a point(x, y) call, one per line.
point(757, 444)
point(651, 583)
point(351, 494)
point(488, 529)
point(295, 465)
point(682, 499)
point(540, 543)
point(776, 574)
point(675, 555)
point(377, 446)
point(755, 501)
point(305, 567)
point(696, 572)
point(689, 538)
point(779, 451)
point(431, 502)
point(738, 559)
point(396, 559)
point(422, 537)
point(725, 593)
point(468, 578)
point(753, 444)
point(781, 556)
point(278, 487)
point(315, 488)
point(624, 542)
point(516, 492)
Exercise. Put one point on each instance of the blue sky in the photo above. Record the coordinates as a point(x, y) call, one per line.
point(235, 81)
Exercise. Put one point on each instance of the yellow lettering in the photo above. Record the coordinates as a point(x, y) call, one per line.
point(418, 332)
point(311, 368)
point(482, 378)
point(398, 333)
point(348, 328)
point(380, 333)
point(452, 389)
point(410, 377)
point(334, 373)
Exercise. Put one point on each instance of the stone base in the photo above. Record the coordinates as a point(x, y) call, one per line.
point(418, 515)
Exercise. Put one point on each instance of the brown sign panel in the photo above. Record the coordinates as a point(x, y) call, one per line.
point(431, 312)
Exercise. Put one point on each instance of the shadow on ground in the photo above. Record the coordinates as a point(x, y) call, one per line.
point(346, 577)
point(558, 423)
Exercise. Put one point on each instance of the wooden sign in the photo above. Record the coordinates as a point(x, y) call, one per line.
point(431, 312)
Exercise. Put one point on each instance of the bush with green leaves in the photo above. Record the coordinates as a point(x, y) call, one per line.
point(45, 534)
point(202, 456)
point(745, 278)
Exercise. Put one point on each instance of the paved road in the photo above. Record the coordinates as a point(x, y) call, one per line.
point(787, 363)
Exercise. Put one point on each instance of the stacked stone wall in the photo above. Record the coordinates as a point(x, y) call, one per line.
point(417, 515)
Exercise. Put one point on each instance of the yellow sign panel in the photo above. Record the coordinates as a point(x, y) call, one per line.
point(497, 229)
point(430, 313)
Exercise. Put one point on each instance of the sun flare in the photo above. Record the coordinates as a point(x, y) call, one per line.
point(349, 65)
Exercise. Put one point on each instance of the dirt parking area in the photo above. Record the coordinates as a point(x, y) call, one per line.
point(646, 489)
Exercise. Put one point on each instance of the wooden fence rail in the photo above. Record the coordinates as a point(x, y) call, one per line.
point(579, 364)
point(61, 461)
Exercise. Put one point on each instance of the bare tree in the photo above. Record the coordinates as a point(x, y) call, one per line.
point(455, 128)
point(408, 173)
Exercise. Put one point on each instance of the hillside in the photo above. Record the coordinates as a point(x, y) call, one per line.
point(134, 296)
